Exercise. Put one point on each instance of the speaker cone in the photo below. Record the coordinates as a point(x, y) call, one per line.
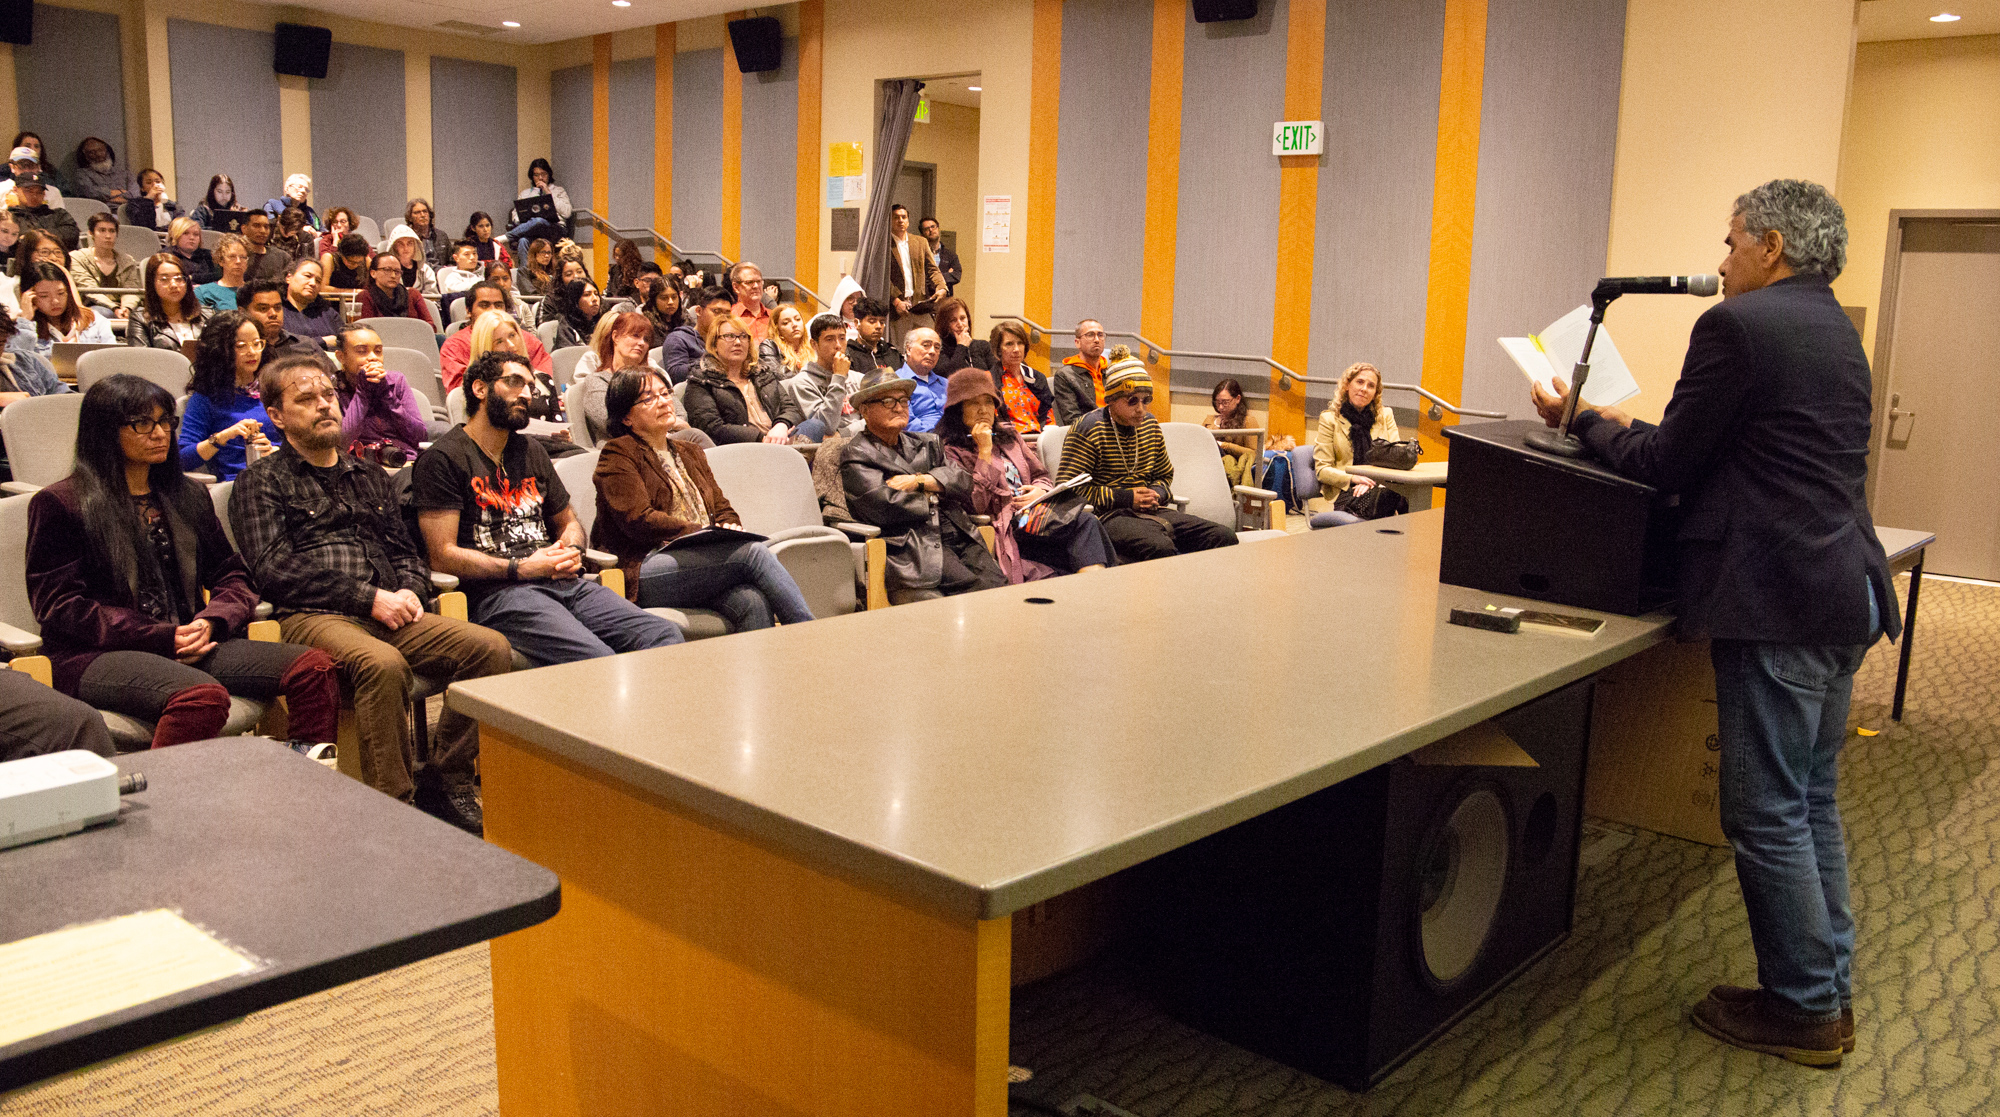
point(1462, 872)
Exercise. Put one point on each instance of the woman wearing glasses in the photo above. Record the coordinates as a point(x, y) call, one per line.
point(170, 316)
point(224, 414)
point(732, 397)
point(385, 296)
point(119, 554)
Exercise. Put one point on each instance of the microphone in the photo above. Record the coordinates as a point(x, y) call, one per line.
point(1702, 285)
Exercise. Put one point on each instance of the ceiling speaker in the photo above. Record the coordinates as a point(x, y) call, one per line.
point(759, 43)
point(301, 50)
point(1223, 11)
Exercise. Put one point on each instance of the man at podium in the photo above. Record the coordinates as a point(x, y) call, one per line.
point(1765, 439)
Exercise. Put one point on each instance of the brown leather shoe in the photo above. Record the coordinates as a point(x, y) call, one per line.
point(1741, 994)
point(1754, 1026)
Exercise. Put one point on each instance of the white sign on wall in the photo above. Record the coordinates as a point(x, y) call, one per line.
point(1298, 137)
point(996, 226)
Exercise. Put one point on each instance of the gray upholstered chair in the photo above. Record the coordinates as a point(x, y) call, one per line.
point(40, 433)
point(576, 471)
point(164, 367)
point(771, 489)
point(563, 362)
point(405, 333)
point(1202, 488)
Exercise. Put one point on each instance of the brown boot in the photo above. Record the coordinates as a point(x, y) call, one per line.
point(1755, 1026)
point(1743, 994)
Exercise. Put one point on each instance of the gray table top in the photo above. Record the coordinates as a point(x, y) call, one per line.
point(981, 753)
point(323, 879)
point(1900, 542)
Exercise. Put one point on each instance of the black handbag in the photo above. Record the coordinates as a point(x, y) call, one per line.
point(1376, 503)
point(1395, 455)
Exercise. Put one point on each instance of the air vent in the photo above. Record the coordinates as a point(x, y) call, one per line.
point(465, 28)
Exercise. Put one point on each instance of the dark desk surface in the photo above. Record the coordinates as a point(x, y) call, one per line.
point(324, 879)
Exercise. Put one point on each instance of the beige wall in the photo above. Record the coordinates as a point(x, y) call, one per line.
point(868, 41)
point(951, 140)
point(1921, 134)
point(1718, 96)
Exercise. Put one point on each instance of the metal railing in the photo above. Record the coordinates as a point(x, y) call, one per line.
point(1286, 377)
point(679, 253)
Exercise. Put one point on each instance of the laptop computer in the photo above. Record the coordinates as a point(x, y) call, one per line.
point(66, 352)
point(536, 206)
point(231, 220)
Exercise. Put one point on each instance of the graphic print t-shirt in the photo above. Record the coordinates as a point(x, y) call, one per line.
point(504, 508)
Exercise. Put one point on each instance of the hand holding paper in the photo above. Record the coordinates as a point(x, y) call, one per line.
point(1542, 357)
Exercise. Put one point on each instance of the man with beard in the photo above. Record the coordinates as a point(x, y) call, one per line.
point(493, 512)
point(322, 535)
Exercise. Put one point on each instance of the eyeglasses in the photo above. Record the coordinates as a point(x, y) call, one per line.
point(732, 337)
point(386, 271)
point(174, 280)
point(1141, 398)
point(144, 428)
point(250, 346)
point(893, 403)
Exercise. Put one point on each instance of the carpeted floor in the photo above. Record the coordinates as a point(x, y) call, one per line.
point(1598, 1027)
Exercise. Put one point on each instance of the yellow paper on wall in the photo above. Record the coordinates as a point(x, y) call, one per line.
point(66, 977)
point(843, 160)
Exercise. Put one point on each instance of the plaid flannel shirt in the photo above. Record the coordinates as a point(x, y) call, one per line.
point(315, 550)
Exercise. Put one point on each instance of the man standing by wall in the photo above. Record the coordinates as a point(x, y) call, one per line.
point(1766, 441)
point(947, 259)
point(915, 282)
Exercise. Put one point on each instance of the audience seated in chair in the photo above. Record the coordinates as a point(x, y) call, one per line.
point(1347, 429)
point(869, 349)
point(683, 349)
point(267, 259)
point(346, 267)
point(504, 276)
point(1008, 474)
point(232, 256)
point(654, 489)
point(305, 313)
point(54, 314)
point(421, 220)
point(381, 416)
point(222, 416)
point(26, 155)
point(1079, 383)
point(785, 348)
point(385, 296)
point(920, 369)
point(457, 351)
point(733, 397)
point(264, 301)
point(323, 535)
point(1119, 445)
point(100, 264)
point(479, 234)
point(541, 180)
point(99, 175)
point(35, 211)
point(904, 484)
point(622, 347)
point(1024, 392)
point(419, 278)
point(824, 382)
point(575, 307)
point(119, 553)
point(536, 273)
point(1229, 411)
point(340, 221)
point(959, 349)
point(152, 208)
point(297, 196)
point(460, 274)
point(22, 372)
point(219, 204)
point(169, 316)
point(184, 245)
point(36, 720)
point(662, 301)
point(494, 513)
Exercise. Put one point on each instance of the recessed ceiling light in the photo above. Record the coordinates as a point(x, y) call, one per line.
point(1944, 17)
point(509, 23)
point(972, 88)
point(621, 3)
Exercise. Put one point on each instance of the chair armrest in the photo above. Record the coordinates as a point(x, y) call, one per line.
point(19, 488)
point(1260, 494)
point(1180, 503)
point(36, 667)
point(18, 641)
point(859, 531)
point(264, 632)
point(878, 563)
point(983, 521)
point(203, 478)
point(444, 583)
point(600, 560)
point(262, 612)
point(813, 532)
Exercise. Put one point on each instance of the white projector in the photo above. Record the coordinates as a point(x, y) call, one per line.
point(60, 793)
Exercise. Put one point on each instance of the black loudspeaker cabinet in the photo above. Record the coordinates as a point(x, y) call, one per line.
point(17, 22)
point(759, 43)
point(1222, 11)
point(1556, 529)
point(301, 50)
point(1341, 933)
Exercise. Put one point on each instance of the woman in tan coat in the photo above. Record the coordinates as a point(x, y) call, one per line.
point(1347, 430)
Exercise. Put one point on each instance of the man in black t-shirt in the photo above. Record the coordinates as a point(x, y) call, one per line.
point(494, 513)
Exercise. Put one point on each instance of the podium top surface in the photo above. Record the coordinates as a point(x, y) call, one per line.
point(981, 753)
point(1510, 435)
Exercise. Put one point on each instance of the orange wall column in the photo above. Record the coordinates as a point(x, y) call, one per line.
point(1298, 200)
point(732, 148)
point(1163, 190)
point(1450, 284)
point(666, 40)
point(1044, 120)
point(805, 235)
point(600, 148)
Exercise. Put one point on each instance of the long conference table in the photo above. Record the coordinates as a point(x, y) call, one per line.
point(790, 858)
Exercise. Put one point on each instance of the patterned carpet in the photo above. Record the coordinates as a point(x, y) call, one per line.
point(1597, 1027)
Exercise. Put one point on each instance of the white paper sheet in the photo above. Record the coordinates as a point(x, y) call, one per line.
point(66, 977)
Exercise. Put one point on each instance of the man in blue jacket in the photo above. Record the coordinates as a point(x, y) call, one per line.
point(1766, 441)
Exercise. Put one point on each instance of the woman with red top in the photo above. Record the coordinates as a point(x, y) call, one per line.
point(384, 295)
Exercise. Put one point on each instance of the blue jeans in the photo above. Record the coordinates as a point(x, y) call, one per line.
point(562, 622)
point(537, 229)
point(742, 581)
point(1782, 712)
point(812, 430)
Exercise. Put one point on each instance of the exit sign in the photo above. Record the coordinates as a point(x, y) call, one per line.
point(1298, 137)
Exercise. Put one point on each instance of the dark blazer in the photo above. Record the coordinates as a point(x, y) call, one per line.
point(977, 354)
point(85, 613)
point(716, 407)
point(633, 494)
point(1766, 441)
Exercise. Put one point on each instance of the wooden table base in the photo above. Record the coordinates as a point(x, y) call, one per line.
point(692, 971)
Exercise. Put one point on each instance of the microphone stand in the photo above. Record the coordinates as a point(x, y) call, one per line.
point(1560, 442)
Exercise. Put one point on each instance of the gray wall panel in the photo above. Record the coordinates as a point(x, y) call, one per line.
point(72, 84)
point(570, 138)
point(770, 165)
point(357, 134)
point(474, 164)
point(225, 111)
point(1101, 163)
point(1225, 261)
point(698, 150)
point(1371, 254)
point(1548, 131)
point(631, 143)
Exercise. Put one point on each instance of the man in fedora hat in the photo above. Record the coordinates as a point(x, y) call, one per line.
point(899, 482)
point(1120, 446)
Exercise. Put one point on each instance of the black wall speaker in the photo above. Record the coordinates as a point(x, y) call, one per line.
point(302, 50)
point(1339, 934)
point(17, 22)
point(759, 43)
point(1222, 11)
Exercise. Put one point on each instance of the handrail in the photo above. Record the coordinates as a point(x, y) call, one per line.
point(1286, 376)
point(679, 253)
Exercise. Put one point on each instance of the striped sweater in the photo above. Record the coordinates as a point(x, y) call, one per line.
point(1118, 459)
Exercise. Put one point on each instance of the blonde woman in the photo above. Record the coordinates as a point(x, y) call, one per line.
point(787, 347)
point(496, 329)
point(1348, 428)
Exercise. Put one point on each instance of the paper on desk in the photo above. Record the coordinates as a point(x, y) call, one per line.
point(66, 977)
point(1553, 352)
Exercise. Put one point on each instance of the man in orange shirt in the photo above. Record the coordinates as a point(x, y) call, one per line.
point(1079, 384)
point(747, 280)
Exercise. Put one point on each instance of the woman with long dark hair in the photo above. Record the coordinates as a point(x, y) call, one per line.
point(219, 204)
point(36, 246)
point(479, 234)
point(536, 275)
point(55, 314)
point(224, 413)
point(660, 302)
point(625, 271)
point(119, 554)
point(541, 180)
point(170, 316)
point(578, 306)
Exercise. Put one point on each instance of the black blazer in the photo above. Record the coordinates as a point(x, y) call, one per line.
point(1766, 441)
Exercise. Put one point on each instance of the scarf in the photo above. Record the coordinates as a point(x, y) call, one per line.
point(396, 306)
point(1359, 424)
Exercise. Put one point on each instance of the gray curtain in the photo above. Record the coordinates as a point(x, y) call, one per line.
point(892, 139)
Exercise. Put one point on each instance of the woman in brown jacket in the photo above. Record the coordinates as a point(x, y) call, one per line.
point(656, 503)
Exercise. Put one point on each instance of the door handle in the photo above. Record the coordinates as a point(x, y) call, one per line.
point(1895, 413)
